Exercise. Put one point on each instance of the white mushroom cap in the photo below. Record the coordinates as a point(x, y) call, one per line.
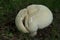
point(35, 16)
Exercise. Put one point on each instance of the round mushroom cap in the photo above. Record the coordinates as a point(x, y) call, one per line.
point(32, 18)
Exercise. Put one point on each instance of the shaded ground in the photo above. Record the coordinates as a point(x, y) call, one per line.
point(8, 11)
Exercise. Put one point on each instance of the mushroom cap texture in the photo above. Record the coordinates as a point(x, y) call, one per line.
point(35, 17)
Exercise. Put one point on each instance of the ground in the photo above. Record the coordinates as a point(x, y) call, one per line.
point(9, 10)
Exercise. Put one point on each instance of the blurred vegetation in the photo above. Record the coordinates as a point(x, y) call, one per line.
point(8, 11)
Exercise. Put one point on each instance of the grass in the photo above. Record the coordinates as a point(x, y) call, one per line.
point(8, 11)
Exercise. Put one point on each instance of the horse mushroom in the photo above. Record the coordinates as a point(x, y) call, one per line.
point(32, 18)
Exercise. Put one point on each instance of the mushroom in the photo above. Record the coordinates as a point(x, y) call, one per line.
point(32, 18)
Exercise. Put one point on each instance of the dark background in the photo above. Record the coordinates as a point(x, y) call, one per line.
point(9, 10)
